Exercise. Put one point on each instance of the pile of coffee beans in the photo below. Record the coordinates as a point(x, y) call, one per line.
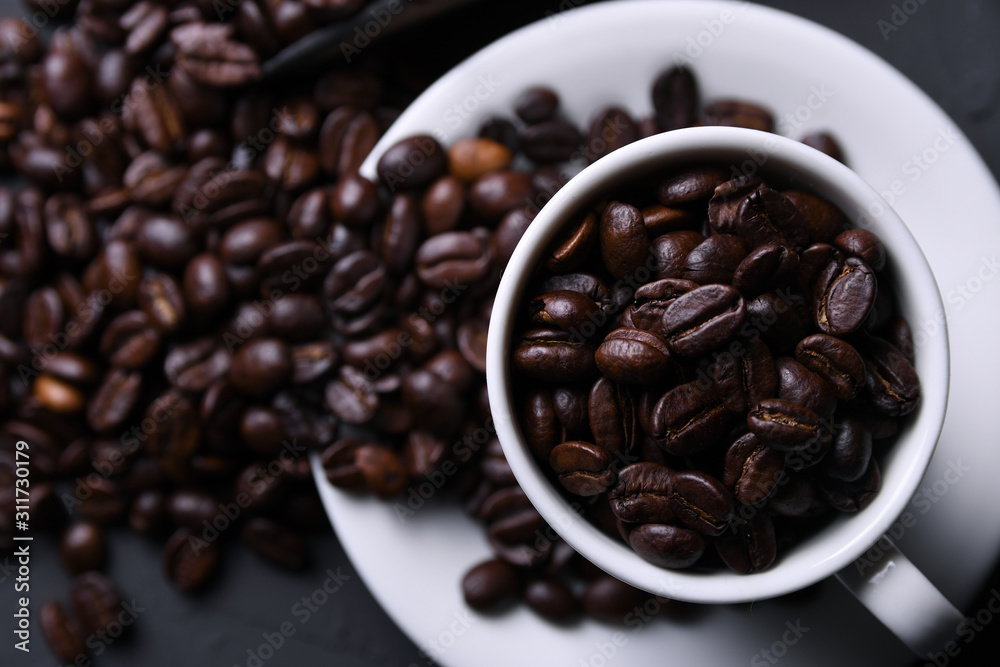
point(728, 376)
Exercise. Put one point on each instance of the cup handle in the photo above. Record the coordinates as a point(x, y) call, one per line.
point(903, 599)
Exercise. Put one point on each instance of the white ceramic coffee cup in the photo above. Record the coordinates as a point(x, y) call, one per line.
point(893, 589)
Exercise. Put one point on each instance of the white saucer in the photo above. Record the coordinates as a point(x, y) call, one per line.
point(892, 134)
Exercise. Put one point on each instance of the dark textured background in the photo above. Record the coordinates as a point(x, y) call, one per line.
point(950, 48)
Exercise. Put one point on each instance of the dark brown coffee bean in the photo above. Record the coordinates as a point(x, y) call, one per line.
point(825, 143)
point(274, 542)
point(633, 356)
point(191, 508)
point(261, 367)
point(471, 341)
point(891, 383)
point(489, 583)
point(714, 260)
point(541, 424)
point(584, 469)
point(433, 402)
point(177, 431)
point(160, 298)
point(536, 104)
point(900, 335)
point(691, 185)
point(612, 417)
point(208, 54)
point(297, 318)
point(780, 318)
point(352, 397)
point(148, 513)
point(574, 245)
point(651, 301)
point(412, 163)
point(442, 206)
point(824, 220)
point(767, 217)
point(493, 195)
point(671, 251)
point(610, 129)
point(206, 288)
point(752, 547)
point(195, 365)
point(798, 384)
point(737, 113)
point(784, 425)
point(700, 502)
point(667, 546)
point(245, 242)
point(834, 360)
point(848, 458)
point(82, 547)
point(130, 341)
point(454, 258)
point(70, 232)
point(765, 268)
point(661, 219)
point(44, 317)
point(744, 375)
point(95, 601)
point(863, 244)
point(113, 402)
point(354, 201)
point(189, 561)
point(688, 419)
point(551, 599)
point(551, 141)
point(724, 206)
point(518, 538)
point(610, 601)
point(625, 246)
point(751, 470)
point(62, 633)
point(703, 319)
point(554, 356)
point(642, 494)
point(166, 242)
point(675, 98)
point(853, 496)
point(843, 297)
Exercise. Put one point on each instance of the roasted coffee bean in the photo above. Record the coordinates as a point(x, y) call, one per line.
point(899, 334)
point(494, 194)
point(780, 318)
point(433, 402)
point(853, 496)
point(642, 494)
point(863, 244)
point(195, 365)
point(148, 513)
point(297, 318)
point(724, 206)
point(536, 104)
point(515, 538)
point(703, 319)
point(651, 301)
point(848, 458)
point(751, 470)
point(541, 424)
point(675, 98)
point(206, 288)
point(130, 341)
point(798, 384)
point(671, 251)
point(83, 547)
point(442, 206)
point(208, 54)
point(352, 397)
point(824, 220)
point(610, 601)
point(260, 367)
point(400, 234)
point(784, 425)
point(700, 502)
point(412, 163)
point(177, 431)
point(667, 546)
point(891, 382)
point(610, 129)
point(62, 633)
point(551, 141)
point(186, 567)
point(625, 246)
point(715, 260)
point(114, 400)
point(166, 242)
point(690, 185)
point(489, 583)
point(824, 142)
point(738, 113)
point(611, 413)
point(844, 295)
point(765, 268)
point(633, 356)
point(688, 419)
point(768, 217)
point(96, 601)
point(834, 360)
point(745, 375)
point(661, 219)
point(470, 158)
point(274, 542)
point(188, 508)
point(583, 468)
point(550, 598)
point(454, 258)
point(554, 356)
point(160, 298)
point(752, 547)
point(574, 245)
point(471, 341)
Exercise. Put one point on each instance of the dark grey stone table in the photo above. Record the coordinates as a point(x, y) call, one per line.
point(950, 48)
